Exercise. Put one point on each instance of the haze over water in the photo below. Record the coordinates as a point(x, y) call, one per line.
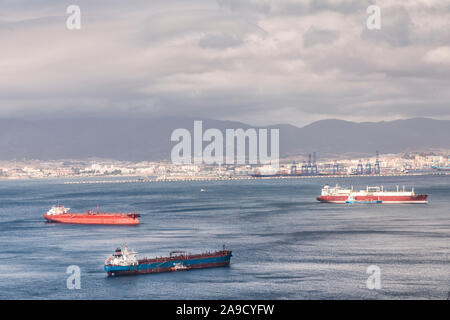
point(285, 244)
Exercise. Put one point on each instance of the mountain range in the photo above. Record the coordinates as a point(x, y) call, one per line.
point(149, 139)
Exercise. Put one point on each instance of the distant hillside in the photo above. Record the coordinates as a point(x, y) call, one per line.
point(149, 139)
point(338, 136)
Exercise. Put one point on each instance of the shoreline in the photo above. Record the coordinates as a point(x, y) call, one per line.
point(190, 179)
point(139, 179)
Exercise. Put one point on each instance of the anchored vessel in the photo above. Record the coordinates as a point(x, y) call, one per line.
point(370, 195)
point(125, 262)
point(60, 214)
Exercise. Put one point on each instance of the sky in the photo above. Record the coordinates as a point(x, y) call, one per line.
point(256, 61)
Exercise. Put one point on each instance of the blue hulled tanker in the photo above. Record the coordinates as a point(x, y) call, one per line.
point(125, 262)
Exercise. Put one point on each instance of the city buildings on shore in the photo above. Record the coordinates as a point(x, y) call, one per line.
point(412, 162)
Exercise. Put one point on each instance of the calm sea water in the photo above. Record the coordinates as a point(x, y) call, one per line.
point(285, 244)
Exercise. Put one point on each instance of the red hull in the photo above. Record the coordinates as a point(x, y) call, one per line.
point(385, 199)
point(100, 218)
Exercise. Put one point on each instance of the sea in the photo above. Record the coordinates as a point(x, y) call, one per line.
point(285, 244)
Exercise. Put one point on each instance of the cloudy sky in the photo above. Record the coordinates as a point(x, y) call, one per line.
point(256, 61)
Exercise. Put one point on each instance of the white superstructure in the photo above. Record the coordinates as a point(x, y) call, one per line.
point(123, 257)
point(335, 191)
point(58, 209)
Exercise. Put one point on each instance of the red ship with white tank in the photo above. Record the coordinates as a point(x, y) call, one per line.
point(377, 194)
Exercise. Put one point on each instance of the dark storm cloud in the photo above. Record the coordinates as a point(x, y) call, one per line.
point(316, 36)
point(396, 31)
point(256, 61)
point(297, 7)
point(262, 6)
point(220, 41)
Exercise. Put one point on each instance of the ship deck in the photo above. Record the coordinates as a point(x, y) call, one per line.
point(185, 257)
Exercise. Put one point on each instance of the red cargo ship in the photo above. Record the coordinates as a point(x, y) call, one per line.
point(343, 195)
point(60, 214)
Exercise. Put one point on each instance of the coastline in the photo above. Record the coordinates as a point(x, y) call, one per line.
point(188, 179)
